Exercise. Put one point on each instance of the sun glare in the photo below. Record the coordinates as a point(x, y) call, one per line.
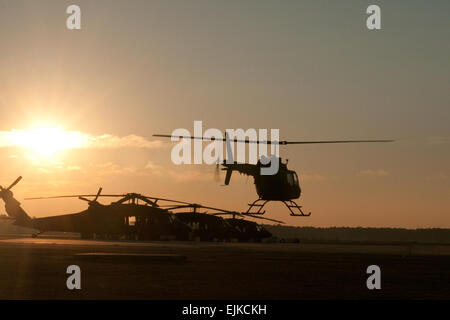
point(47, 141)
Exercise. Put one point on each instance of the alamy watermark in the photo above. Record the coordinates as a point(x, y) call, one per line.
point(374, 280)
point(258, 142)
point(73, 21)
point(74, 280)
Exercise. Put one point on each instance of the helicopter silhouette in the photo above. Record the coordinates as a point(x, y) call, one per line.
point(140, 217)
point(283, 186)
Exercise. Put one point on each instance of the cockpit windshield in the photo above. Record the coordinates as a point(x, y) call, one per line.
point(295, 178)
point(290, 178)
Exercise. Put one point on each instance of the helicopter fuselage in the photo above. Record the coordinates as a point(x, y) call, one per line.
point(128, 219)
point(279, 187)
point(282, 186)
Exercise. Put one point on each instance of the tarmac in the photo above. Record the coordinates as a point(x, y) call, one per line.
point(35, 268)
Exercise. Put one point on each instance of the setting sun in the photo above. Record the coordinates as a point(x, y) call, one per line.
point(47, 141)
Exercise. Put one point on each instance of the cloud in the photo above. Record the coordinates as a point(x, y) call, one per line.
point(180, 174)
point(73, 168)
point(151, 166)
point(57, 138)
point(110, 168)
point(130, 141)
point(154, 169)
point(374, 173)
point(190, 175)
point(151, 169)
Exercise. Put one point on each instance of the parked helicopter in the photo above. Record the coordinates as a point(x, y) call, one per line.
point(135, 216)
point(282, 186)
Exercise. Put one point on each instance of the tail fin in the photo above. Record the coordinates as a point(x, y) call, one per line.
point(228, 176)
point(230, 158)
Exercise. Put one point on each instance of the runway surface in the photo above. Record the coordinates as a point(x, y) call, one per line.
point(36, 269)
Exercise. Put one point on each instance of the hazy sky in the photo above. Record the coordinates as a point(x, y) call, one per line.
point(310, 68)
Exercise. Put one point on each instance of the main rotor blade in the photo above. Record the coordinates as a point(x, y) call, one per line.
point(210, 138)
point(270, 142)
point(199, 206)
point(55, 197)
point(14, 183)
point(332, 141)
point(216, 209)
point(263, 218)
point(104, 195)
point(246, 215)
point(76, 196)
point(168, 200)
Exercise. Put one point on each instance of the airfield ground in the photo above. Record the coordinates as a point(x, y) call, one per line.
point(36, 269)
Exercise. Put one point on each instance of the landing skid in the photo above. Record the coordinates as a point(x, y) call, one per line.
point(258, 203)
point(293, 207)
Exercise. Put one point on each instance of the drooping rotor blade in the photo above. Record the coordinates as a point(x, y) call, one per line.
point(77, 196)
point(263, 218)
point(284, 142)
point(246, 215)
point(199, 206)
point(14, 183)
point(175, 207)
point(85, 199)
point(108, 195)
point(168, 200)
point(55, 197)
point(103, 195)
point(170, 206)
point(216, 209)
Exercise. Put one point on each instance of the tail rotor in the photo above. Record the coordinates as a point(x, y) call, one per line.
point(12, 184)
point(12, 206)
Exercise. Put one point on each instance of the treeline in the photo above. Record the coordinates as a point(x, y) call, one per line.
point(363, 235)
point(321, 235)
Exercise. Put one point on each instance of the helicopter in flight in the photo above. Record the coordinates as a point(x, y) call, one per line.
point(137, 217)
point(283, 186)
